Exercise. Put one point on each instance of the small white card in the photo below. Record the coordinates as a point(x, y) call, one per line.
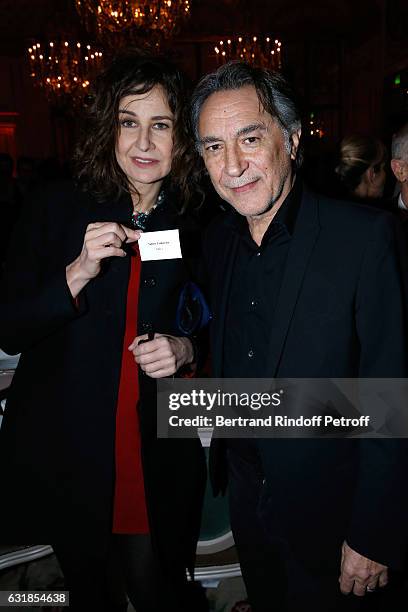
point(160, 245)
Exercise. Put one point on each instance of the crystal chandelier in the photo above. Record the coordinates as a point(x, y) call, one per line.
point(133, 21)
point(262, 51)
point(64, 69)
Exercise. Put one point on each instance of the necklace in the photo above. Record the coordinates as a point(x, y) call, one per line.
point(139, 220)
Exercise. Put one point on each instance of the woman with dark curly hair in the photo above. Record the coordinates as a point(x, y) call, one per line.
point(96, 326)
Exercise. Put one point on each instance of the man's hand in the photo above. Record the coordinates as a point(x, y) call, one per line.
point(359, 574)
point(101, 240)
point(162, 356)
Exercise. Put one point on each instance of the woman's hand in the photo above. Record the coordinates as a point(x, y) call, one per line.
point(101, 240)
point(162, 356)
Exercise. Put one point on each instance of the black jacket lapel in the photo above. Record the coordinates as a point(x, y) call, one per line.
point(116, 270)
point(222, 285)
point(304, 238)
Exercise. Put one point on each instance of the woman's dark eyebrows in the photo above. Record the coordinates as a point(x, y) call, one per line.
point(155, 118)
point(159, 117)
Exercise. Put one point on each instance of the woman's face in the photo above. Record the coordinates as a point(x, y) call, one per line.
point(378, 182)
point(145, 140)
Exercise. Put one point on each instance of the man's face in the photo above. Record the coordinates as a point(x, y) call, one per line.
point(245, 151)
point(400, 170)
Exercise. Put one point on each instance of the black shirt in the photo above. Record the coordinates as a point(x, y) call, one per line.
point(256, 280)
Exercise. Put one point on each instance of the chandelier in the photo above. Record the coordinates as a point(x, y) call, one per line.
point(263, 51)
point(64, 68)
point(133, 21)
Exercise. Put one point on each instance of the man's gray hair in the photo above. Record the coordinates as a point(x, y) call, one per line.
point(399, 146)
point(275, 96)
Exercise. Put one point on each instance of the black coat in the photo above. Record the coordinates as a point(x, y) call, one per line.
point(339, 314)
point(57, 438)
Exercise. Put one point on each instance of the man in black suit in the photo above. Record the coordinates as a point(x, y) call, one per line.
point(300, 286)
point(399, 166)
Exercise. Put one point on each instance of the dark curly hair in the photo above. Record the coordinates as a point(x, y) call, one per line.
point(131, 72)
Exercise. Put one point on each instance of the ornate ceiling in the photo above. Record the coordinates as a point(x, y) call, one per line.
point(24, 19)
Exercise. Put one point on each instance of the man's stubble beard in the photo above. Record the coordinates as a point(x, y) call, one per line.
point(271, 203)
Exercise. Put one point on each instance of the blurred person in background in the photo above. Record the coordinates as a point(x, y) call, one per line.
point(361, 169)
point(399, 166)
point(27, 178)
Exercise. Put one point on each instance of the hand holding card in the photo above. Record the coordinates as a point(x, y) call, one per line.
point(165, 244)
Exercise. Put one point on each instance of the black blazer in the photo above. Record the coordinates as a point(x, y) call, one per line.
point(339, 314)
point(57, 438)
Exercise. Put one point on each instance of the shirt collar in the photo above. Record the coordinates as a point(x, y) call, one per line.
point(288, 212)
point(286, 215)
point(401, 204)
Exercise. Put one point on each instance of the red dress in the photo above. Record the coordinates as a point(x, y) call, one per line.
point(129, 509)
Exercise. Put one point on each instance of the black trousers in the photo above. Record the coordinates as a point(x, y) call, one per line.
point(276, 580)
point(129, 571)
